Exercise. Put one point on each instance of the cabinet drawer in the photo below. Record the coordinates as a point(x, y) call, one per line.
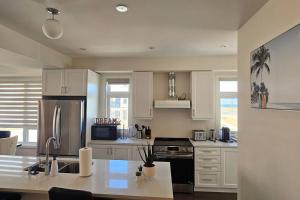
point(208, 168)
point(203, 160)
point(207, 151)
point(207, 179)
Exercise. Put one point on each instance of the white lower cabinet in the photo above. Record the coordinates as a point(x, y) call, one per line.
point(122, 152)
point(215, 169)
point(115, 152)
point(207, 179)
point(102, 152)
point(229, 167)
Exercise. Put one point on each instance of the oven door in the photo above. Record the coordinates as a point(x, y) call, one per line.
point(182, 171)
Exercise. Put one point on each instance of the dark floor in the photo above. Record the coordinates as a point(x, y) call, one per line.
point(205, 196)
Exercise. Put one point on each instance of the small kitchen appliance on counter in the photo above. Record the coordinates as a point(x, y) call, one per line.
point(225, 134)
point(104, 132)
point(105, 129)
point(199, 135)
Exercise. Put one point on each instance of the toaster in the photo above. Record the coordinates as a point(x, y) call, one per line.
point(199, 135)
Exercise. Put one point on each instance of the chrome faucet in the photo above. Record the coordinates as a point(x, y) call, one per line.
point(47, 165)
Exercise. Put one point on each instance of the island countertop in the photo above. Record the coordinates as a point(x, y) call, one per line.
point(111, 178)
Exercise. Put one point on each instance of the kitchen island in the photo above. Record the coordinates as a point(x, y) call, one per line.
point(111, 178)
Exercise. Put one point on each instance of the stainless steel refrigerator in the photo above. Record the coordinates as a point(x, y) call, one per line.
point(64, 120)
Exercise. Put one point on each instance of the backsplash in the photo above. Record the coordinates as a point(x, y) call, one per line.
point(175, 123)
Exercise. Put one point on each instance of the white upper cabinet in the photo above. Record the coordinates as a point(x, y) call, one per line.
point(65, 82)
point(76, 82)
point(202, 89)
point(53, 81)
point(143, 95)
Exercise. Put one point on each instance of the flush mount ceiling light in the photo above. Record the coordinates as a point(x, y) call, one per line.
point(52, 28)
point(121, 8)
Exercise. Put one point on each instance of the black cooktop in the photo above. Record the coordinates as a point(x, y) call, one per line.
point(166, 141)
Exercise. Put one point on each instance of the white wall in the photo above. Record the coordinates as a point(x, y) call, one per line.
point(20, 55)
point(184, 63)
point(268, 139)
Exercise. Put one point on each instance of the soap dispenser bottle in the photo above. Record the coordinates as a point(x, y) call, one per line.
point(54, 167)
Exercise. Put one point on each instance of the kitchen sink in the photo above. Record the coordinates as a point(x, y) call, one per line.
point(72, 168)
point(63, 167)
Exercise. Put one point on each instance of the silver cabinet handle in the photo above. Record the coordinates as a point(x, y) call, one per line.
point(66, 89)
point(206, 179)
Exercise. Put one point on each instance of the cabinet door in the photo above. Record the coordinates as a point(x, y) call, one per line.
point(122, 152)
point(202, 87)
point(102, 152)
point(143, 95)
point(229, 159)
point(53, 82)
point(135, 154)
point(75, 82)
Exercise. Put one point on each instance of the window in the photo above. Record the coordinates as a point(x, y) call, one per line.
point(228, 103)
point(19, 107)
point(117, 100)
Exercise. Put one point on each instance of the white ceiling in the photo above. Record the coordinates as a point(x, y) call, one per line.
point(173, 27)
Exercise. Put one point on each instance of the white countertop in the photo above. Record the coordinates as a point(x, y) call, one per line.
point(128, 141)
point(214, 144)
point(110, 178)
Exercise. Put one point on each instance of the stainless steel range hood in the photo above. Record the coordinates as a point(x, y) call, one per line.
point(172, 104)
point(172, 101)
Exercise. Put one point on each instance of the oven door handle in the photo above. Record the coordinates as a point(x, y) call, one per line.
point(187, 156)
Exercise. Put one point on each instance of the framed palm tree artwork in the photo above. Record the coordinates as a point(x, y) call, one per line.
point(275, 73)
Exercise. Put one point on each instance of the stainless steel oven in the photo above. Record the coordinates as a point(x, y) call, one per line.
point(180, 153)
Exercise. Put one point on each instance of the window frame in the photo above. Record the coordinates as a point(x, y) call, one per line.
point(116, 95)
point(228, 76)
point(104, 103)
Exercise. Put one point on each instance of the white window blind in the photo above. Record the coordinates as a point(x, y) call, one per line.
point(19, 102)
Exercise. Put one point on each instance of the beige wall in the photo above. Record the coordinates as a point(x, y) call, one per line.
point(268, 139)
point(158, 63)
point(166, 122)
point(173, 122)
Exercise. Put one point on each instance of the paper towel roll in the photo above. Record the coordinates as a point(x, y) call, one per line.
point(85, 161)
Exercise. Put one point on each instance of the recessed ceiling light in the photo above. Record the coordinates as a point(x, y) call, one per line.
point(82, 49)
point(121, 8)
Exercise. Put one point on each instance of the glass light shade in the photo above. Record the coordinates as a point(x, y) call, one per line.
point(53, 29)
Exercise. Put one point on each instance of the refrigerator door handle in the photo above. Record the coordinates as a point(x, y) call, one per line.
point(54, 122)
point(57, 128)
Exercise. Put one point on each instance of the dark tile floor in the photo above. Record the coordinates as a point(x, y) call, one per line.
point(205, 196)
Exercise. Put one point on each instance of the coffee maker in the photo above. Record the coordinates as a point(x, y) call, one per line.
point(225, 134)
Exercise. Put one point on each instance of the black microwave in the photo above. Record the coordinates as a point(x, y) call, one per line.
point(104, 132)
